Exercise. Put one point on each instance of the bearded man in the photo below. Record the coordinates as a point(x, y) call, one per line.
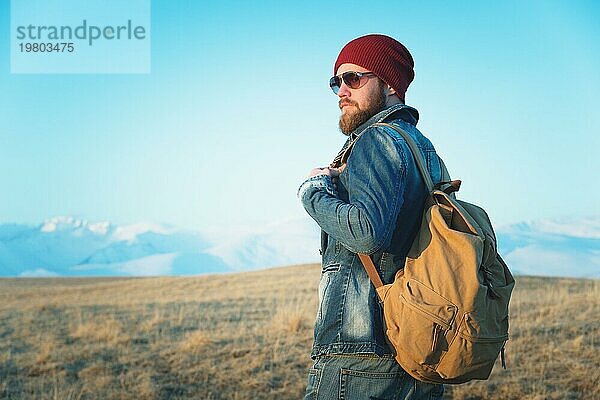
point(369, 202)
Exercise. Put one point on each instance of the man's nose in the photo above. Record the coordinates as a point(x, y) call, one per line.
point(344, 90)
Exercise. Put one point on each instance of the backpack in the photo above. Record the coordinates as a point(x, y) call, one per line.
point(446, 313)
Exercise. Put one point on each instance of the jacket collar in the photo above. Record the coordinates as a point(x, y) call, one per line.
point(402, 111)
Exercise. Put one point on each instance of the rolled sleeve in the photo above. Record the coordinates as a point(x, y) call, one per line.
point(316, 183)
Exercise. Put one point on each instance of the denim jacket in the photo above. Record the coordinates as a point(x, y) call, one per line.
point(375, 209)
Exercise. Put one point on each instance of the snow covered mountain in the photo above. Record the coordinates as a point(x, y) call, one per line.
point(68, 246)
point(285, 242)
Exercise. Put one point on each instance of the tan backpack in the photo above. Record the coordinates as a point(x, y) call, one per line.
point(446, 313)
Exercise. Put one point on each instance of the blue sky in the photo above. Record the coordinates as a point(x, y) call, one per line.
point(236, 110)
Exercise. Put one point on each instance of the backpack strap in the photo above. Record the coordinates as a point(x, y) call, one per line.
point(365, 259)
point(343, 155)
point(414, 149)
point(367, 262)
point(447, 185)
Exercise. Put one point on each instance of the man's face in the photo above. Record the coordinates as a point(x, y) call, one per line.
point(358, 105)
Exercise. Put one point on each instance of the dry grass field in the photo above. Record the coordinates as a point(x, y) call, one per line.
point(248, 336)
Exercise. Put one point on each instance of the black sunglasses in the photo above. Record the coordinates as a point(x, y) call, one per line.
point(352, 79)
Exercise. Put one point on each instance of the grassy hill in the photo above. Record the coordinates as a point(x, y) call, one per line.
point(248, 336)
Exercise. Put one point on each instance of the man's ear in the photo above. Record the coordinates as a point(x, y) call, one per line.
point(389, 91)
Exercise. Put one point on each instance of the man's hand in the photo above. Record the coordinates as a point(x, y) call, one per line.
point(332, 172)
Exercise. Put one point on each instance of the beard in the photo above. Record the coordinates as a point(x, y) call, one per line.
point(349, 121)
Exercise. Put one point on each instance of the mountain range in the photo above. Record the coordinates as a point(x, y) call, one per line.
point(70, 246)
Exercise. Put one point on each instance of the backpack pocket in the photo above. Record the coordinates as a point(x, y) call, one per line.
point(426, 319)
point(472, 353)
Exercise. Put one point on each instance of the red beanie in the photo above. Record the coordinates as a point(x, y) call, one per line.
point(382, 55)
